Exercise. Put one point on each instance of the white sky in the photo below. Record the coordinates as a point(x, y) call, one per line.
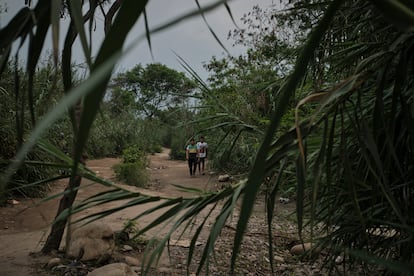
point(190, 39)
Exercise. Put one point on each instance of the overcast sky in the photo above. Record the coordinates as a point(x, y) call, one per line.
point(190, 39)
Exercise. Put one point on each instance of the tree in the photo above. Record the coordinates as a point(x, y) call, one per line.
point(83, 100)
point(121, 101)
point(156, 87)
point(242, 89)
point(39, 20)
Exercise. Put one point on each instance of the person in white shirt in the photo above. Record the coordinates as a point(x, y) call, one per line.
point(202, 154)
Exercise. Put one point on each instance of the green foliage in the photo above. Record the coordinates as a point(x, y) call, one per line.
point(155, 148)
point(121, 125)
point(177, 151)
point(359, 164)
point(132, 170)
point(29, 173)
point(151, 135)
point(61, 136)
point(133, 154)
point(176, 125)
point(243, 92)
point(156, 97)
point(131, 229)
point(154, 87)
point(353, 136)
point(112, 133)
point(16, 122)
point(352, 170)
point(133, 174)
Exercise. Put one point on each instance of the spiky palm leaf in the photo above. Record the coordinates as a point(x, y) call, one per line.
point(364, 164)
point(360, 185)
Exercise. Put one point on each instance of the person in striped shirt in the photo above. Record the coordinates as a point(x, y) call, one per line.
point(191, 155)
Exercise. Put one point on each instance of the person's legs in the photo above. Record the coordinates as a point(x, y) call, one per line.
point(194, 166)
point(202, 161)
point(190, 165)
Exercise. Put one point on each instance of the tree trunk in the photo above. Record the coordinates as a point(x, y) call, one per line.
point(58, 228)
point(56, 233)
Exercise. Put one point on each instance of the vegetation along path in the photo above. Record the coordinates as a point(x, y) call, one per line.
point(25, 225)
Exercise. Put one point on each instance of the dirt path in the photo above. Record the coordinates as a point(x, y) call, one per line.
point(24, 226)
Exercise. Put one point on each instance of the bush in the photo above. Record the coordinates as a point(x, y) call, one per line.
point(155, 148)
point(131, 173)
point(110, 136)
point(134, 154)
point(132, 170)
point(28, 173)
point(177, 150)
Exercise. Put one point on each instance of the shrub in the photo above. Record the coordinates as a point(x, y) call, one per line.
point(155, 148)
point(177, 150)
point(134, 154)
point(132, 170)
point(30, 172)
point(110, 136)
point(132, 174)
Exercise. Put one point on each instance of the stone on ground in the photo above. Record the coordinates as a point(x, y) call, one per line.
point(54, 262)
point(224, 178)
point(115, 269)
point(93, 241)
point(302, 248)
point(132, 261)
point(278, 259)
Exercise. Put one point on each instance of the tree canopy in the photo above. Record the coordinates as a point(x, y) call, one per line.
point(155, 87)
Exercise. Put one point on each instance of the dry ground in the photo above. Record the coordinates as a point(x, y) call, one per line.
point(24, 226)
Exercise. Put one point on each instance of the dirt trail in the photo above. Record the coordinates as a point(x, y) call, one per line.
point(24, 226)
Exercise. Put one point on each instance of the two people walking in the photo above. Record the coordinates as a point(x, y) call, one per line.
point(196, 154)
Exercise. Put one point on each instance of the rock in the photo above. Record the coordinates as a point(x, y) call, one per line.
point(13, 202)
point(120, 258)
point(183, 243)
point(278, 259)
point(339, 260)
point(302, 248)
point(127, 248)
point(136, 269)
point(223, 178)
point(164, 270)
point(53, 262)
point(115, 269)
point(132, 261)
point(284, 200)
point(92, 242)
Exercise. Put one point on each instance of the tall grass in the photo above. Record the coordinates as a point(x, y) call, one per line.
point(362, 167)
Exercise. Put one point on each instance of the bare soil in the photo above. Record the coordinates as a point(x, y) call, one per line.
point(24, 226)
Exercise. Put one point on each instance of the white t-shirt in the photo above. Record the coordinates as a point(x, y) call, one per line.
point(202, 148)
